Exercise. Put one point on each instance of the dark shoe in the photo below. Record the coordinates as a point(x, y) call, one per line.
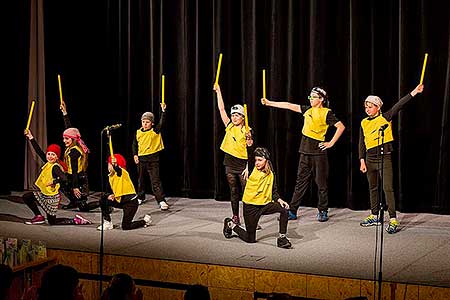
point(283, 242)
point(227, 231)
point(322, 216)
point(71, 205)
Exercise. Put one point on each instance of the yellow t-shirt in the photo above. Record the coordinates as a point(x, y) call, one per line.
point(45, 177)
point(234, 141)
point(121, 185)
point(371, 129)
point(149, 142)
point(258, 189)
point(315, 124)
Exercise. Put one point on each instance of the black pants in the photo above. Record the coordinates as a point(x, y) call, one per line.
point(129, 204)
point(152, 168)
point(237, 184)
point(81, 202)
point(373, 169)
point(30, 200)
point(252, 214)
point(311, 166)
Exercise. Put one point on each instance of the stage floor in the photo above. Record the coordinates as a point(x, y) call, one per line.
point(192, 231)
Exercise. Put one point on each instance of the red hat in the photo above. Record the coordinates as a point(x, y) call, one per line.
point(55, 149)
point(121, 162)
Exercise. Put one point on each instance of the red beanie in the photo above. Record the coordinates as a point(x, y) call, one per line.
point(55, 149)
point(121, 162)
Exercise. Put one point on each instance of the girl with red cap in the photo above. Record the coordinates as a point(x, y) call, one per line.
point(51, 177)
point(76, 158)
point(123, 196)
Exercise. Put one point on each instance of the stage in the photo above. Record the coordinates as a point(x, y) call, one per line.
point(191, 231)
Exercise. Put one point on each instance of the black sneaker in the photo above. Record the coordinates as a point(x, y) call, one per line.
point(283, 242)
point(71, 205)
point(227, 231)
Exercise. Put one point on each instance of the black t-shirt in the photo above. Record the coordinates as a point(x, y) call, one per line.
point(311, 146)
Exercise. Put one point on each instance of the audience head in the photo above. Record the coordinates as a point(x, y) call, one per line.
point(197, 292)
point(59, 282)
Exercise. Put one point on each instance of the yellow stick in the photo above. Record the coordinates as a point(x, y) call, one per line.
point(246, 118)
point(264, 83)
point(423, 68)
point(218, 69)
point(162, 89)
point(60, 90)
point(30, 114)
point(111, 147)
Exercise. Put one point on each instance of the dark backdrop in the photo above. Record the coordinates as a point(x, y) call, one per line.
point(111, 55)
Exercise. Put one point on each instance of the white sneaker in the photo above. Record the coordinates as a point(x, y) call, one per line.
point(148, 220)
point(163, 205)
point(107, 225)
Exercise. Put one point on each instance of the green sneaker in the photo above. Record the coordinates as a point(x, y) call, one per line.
point(370, 221)
point(393, 226)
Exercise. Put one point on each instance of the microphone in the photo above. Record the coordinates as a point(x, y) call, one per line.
point(112, 127)
point(383, 127)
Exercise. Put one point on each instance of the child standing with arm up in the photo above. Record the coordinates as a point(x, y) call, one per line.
point(313, 155)
point(146, 147)
point(370, 155)
point(234, 144)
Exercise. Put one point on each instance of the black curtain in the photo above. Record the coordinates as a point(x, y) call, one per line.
point(111, 55)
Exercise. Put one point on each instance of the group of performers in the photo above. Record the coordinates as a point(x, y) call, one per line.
point(68, 174)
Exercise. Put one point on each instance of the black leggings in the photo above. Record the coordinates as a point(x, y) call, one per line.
point(236, 183)
point(129, 204)
point(30, 200)
point(252, 214)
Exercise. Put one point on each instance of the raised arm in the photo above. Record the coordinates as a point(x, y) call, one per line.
point(161, 119)
point(401, 103)
point(35, 145)
point(221, 105)
point(284, 105)
point(67, 123)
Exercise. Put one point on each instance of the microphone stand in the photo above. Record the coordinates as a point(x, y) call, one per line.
point(381, 204)
point(101, 254)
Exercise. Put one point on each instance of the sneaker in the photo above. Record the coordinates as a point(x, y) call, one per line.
point(227, 231)
point(107, 225)
point(291, 216)
point(148, 220)
point(39, 219)
point(393, 226)
point(163, 205)
point(370, 221)
point(283, 242)
point(236, 220)
point(80, 220)
point(322, 216)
